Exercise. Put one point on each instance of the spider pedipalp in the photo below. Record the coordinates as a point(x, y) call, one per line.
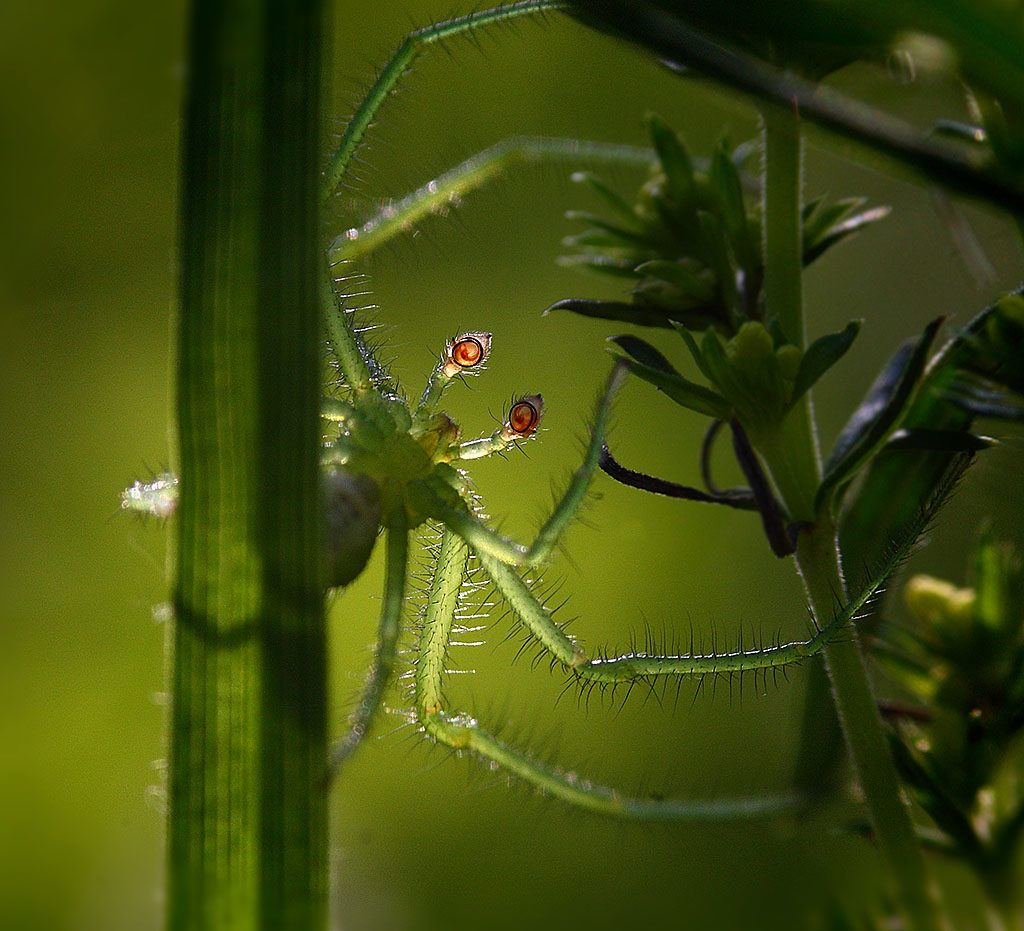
point(467, 353)
point(524, 418)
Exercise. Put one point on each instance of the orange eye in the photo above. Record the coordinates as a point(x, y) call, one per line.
point(524, 417)
point(468, 351)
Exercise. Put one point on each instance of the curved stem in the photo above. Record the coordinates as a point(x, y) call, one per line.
point(902, 146)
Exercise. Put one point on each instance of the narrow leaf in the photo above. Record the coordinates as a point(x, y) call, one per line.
point(879, 414)
point(820, 356)
point(643, 352)
point(697, 286)
point(691, 344)
point(637, 314)
point(828, 214)
point(675, 160)
point(684, 392)
point(729, 189)
point(594, 239)
point(605, 264)
point(611, 198)
point(841, 231)
point(629, 237)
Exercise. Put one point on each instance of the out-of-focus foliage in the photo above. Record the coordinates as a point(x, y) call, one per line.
point(782, 51)
point(962, 664)
point(691, 244)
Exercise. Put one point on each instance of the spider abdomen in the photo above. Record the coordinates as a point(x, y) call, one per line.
point(352, 517)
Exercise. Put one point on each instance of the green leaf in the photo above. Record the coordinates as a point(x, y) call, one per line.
point(691, 344)
point(675, 160)
point(643, 352)
point(611, 198)
point(605, 264)
point(879, 414)
point(718, 367)
point(725, 179)
point(715, 245)
point(637, 314)
point(840, 231)
point(697, 287)
point(824, 215)
point(681, 390)
point(899, 482)
point(594, 239)
point(820, 356)
point(628, 237)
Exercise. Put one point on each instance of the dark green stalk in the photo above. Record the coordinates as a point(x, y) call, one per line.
point(792, 457)
point(247, 828)
point(673, 39)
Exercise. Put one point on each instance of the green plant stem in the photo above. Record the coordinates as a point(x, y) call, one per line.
point(819, 566)
point(247, 822)
point(792, 458)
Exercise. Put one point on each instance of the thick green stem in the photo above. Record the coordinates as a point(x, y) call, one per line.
point(247, 828)
point(817, 558)
point(792, 457)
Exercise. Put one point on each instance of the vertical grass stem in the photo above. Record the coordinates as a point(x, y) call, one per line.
point(247, 829)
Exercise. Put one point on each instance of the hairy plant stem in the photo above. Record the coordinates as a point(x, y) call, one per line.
point(247, 822)
point(793, 460)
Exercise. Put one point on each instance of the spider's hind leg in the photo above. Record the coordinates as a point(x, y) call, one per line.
point(461, 732)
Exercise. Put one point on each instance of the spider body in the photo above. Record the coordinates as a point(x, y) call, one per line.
point(392, 462)
point(415, 460)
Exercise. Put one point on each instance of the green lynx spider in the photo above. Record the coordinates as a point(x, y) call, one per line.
point(393, 465)
point(464, 535)
point(381, 435)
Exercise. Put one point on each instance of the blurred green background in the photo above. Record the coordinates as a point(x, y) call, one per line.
point(89, 105)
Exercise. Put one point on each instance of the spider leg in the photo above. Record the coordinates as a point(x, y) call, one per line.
point(410, 49)
point(358, 366)
point(462, 732)
point(629, 667)
point(436, 196)
point(483, 540)
point(386, 655)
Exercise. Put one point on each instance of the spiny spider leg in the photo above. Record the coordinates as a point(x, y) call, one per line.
point(461, 732)
point(387, 642)
point(631, 666)
point(486, 541)
point(399, 63)
point(478, 170)
point(358, 366)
